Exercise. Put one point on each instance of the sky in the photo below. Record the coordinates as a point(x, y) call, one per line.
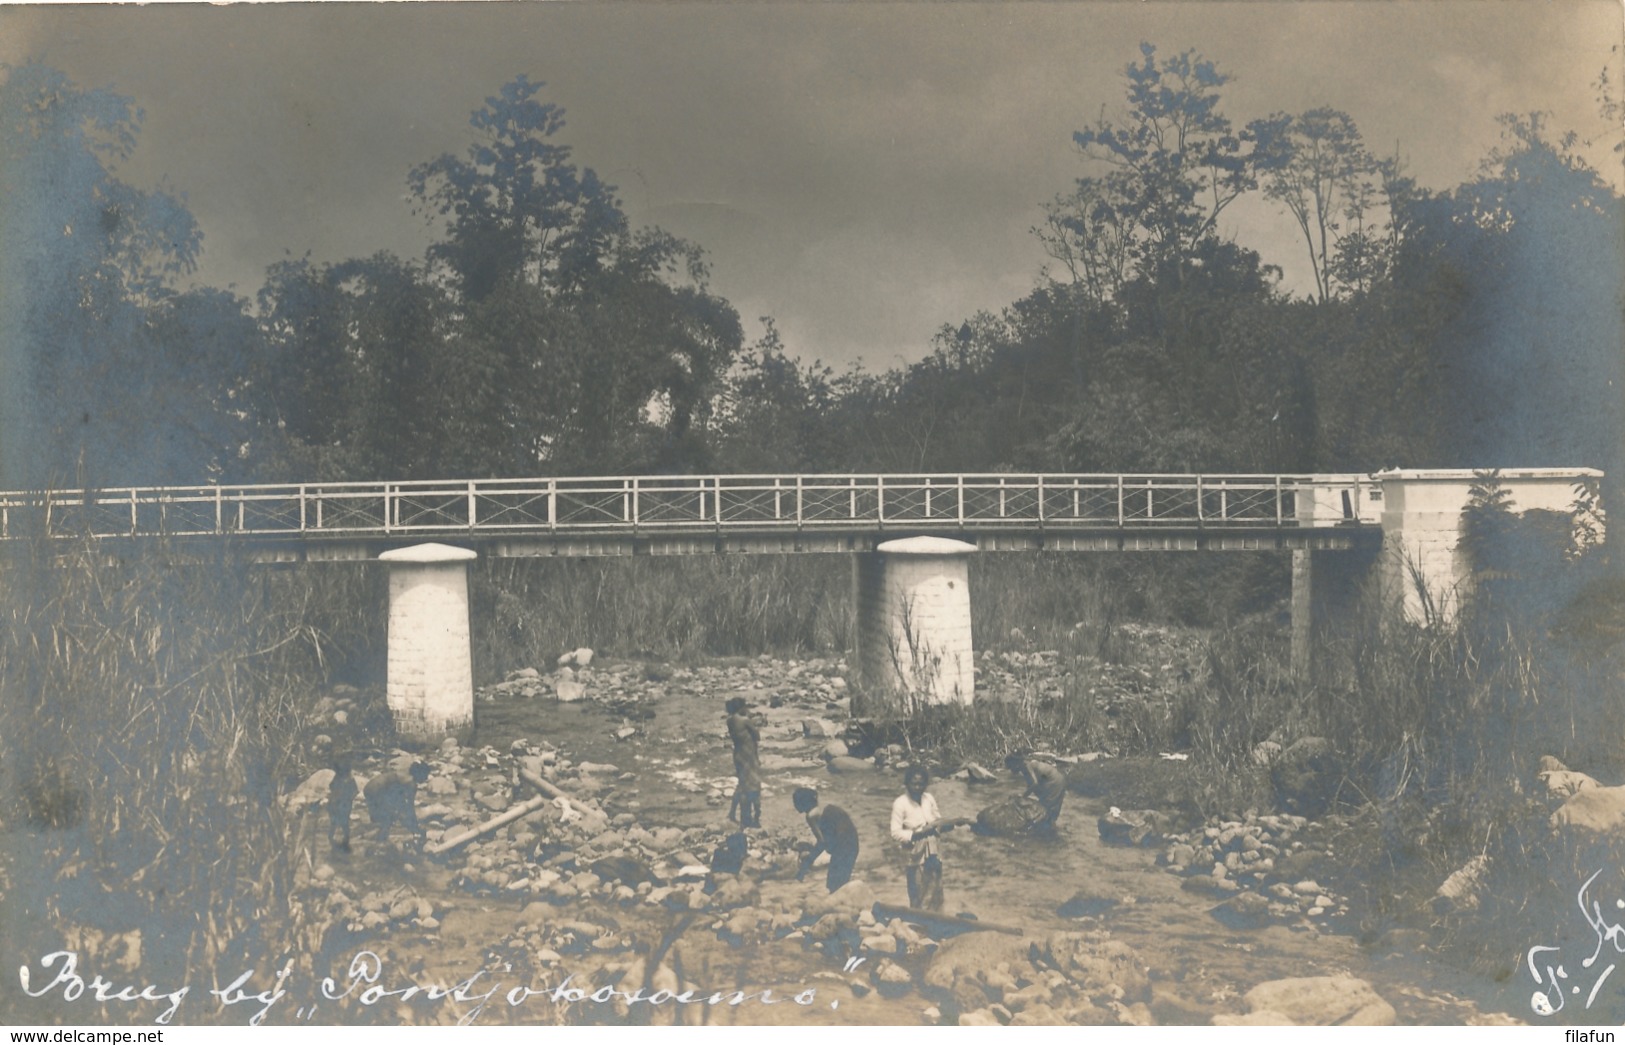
point(863, 173)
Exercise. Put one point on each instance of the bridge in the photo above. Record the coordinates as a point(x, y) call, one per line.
point(910, 537)
point(723, 513)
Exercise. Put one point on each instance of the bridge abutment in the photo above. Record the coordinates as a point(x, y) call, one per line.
point(1424, 572)
point(913, 621)
point(430, 686)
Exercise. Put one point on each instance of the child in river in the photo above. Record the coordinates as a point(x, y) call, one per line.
point(745, 734)
point(340, 801)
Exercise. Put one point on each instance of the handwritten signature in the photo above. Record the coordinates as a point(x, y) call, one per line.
point(362, 983)
point(1550, 1000)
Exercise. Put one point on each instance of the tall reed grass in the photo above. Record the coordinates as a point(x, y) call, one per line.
point(150, 717)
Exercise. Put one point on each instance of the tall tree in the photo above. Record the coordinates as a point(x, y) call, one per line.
point(1316, 165)
point(1173, 163)
point(87, 260)
point(516, 208)
point(571, 341)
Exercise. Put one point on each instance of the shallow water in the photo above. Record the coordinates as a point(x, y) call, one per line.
point(1191, 956)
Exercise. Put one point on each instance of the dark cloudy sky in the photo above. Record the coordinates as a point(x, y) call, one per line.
point(862, 173)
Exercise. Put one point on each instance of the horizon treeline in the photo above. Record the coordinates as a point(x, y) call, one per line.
point(542, 333)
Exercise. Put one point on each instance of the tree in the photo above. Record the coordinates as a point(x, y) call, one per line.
point(1173, 165)
point(543, 332)
point(1316, 165)
point(87, 266)
point(1531, 368)
point(515, 207)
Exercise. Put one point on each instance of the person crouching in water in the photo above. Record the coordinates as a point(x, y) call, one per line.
point(392, 799)
point(747, 763)
point(833, 833)
point(1045, 783)
point(915, 823)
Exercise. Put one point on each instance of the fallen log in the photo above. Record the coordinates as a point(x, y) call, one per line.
point(508, 817)
point(935, 919)
point(546, 787)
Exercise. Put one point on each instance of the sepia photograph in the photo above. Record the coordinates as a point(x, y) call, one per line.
point(812, 514)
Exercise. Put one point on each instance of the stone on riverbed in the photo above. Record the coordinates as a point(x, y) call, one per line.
point(311, 793)
point(1084, 904)
point(1592, 810)
point(1313, 1001)
point(577, 658)
point(1146, 827)
point(963, 967)
point(1243, 911)
point(819, 728)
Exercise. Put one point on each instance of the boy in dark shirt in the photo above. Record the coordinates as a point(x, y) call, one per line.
point(340, 800)
point(746, 736)
point(833, 833)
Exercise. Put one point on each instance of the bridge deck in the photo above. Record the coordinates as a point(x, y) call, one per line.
point(688, 514)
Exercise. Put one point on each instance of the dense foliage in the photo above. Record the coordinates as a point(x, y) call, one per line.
point(542, 333)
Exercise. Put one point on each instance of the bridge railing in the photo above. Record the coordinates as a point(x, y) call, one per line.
point(689, 504)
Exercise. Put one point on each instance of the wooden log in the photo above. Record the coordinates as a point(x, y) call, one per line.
point(946, 921)
point(546, 787)
point(508, 817)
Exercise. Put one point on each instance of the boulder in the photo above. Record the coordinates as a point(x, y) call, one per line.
point(311, 793)
point(1463, 889)
point(891, 979)
point(1314, 1001)
point(1243, 911)
point(977, 774)
point(624, 869)
point(849, 902)
point(1014, 817)
point(1559, 780)
point(963, 967)
point(1266, 752)
point(569, 691)
point(1306, 776)
point(1103, 968)
point(577, 658)
point(819, 728)
point(1592, 810)
point(1084, 904)
point(1146, 827)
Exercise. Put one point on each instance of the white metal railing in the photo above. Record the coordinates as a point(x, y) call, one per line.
point(692, 504)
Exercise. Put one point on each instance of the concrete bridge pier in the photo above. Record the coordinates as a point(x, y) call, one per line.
point(1326, 587)
point(431, 669)
point(1424, 572)
point(913, 622)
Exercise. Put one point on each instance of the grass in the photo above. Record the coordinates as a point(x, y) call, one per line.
point(152, 713)
point(146, 730)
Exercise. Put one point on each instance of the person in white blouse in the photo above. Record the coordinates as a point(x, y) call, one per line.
point(915, 824)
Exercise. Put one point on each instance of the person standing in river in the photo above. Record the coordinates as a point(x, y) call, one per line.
point(746, 736)
point(340, 801)
point(915, 824)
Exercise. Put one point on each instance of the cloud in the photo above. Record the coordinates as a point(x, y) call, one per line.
point(864, 172)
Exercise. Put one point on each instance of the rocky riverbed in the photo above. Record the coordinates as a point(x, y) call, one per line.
point(602, 906)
